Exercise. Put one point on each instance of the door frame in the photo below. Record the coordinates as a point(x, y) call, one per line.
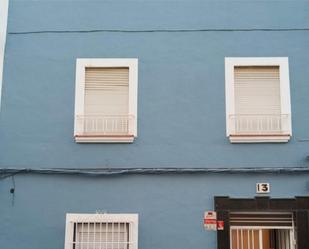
point(299, 206)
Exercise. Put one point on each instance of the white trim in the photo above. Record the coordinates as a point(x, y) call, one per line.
point(259, 139)
point(113, 139)
point(71, 218)
point(105, 217)
point(282, 62)
point(81, 64)
point(4, 8)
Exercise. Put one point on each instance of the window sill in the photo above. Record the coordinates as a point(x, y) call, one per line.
point(104, 138)
point(259, 138)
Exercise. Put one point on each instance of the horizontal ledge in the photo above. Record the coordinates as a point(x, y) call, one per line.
point(268, 138)
point(259, 135)
point(98, 135)
point(7, 172)
point(104, 138)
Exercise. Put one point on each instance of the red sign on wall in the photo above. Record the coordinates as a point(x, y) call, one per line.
point(220, 225)
point(210, 220)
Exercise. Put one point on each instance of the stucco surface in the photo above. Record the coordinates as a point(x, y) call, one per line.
point(170, 208)
point(181, 113)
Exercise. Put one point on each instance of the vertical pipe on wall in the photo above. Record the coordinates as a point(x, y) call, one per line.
point(4, 7)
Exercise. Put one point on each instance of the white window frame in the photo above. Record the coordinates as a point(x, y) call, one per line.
point(72, 218)
point(81, 65)
point(4, 8)
point(283, 63)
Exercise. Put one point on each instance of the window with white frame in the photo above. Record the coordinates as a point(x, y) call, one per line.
point(101, 231)
point(106, 100)
point(257, 99)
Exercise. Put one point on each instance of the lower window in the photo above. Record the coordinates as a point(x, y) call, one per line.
point(101, 231)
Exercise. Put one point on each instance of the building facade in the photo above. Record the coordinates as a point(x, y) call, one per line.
point(123, 122)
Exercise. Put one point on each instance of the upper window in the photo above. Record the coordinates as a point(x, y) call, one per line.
point(101, 231)
point(257, 100)
point(106, 100)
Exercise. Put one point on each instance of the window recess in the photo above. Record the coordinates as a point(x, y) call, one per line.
point(258, 100)
point(106, 100)
point(101, 231)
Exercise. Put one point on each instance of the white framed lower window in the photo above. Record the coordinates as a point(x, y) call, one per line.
point(258, 107)
point(106, 100)
point(101, 231)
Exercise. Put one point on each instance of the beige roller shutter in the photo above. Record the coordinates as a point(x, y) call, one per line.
point(257, 90)
point(106, 91)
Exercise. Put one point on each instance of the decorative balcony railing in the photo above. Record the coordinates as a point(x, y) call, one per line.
point(247, 124)
point(104, 125)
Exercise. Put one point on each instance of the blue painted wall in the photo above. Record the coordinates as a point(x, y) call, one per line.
point(170, 208)
point(181, 113)
point(181, 102)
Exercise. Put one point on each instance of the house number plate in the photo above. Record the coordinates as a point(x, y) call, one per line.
point(262, 188)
